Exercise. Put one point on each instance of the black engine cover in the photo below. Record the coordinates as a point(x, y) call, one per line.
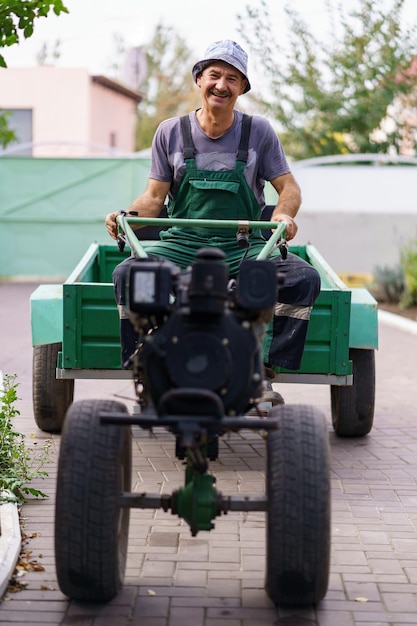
point(217, 353)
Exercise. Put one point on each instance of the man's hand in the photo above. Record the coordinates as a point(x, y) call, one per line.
point(111, 224)
point(291, 225)
point(148, 204)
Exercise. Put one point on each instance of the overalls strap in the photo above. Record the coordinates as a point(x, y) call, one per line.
point(189, 150)
point(243, 152)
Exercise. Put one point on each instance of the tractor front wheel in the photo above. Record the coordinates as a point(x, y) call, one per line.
point(298, 517)
point(91, 527)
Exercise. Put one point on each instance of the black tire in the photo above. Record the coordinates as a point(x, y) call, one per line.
point(51, 397)
point(91, 528)
point(298, 517)
point(353, 407)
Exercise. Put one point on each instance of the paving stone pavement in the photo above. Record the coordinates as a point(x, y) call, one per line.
point(216, 578)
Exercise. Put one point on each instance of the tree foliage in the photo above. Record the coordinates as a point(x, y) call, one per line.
point(17, 18)
point(169, 88)
point(6, 134)
point(47, 54)
point(345, 95)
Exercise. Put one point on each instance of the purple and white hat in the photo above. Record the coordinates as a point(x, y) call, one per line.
point(228, 51)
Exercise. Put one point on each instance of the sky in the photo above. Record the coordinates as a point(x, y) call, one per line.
point(87, 33)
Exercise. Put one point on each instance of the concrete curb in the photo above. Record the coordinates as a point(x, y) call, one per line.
point(399, 322)
point(10, 543)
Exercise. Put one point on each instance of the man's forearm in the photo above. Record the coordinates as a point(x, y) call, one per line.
point(289, 200)
point(146, 206)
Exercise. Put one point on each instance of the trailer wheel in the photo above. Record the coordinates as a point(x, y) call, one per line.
point(353, 407)
point(51, 397)
point(91, 528)
point(298, 517)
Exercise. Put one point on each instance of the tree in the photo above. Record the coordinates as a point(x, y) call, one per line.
point(169, 88)
point(342, 96)
point(117, 55)
point(47, 55)
point(17, 18)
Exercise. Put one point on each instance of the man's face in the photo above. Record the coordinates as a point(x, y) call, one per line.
point(221, 85)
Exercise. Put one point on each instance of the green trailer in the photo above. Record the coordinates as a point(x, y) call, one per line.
point(75, 335)
point(198, 369)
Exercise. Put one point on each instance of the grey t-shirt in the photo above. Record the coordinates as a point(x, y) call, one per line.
point(266, 155)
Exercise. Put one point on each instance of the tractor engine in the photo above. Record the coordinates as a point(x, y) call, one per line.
point(200, 333)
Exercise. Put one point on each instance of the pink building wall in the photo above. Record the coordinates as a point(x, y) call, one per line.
point(72, 114)
point(112, 118)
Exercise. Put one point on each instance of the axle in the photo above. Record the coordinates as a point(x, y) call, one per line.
point(198, 503)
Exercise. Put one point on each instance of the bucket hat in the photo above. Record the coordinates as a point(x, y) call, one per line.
point(228, 51)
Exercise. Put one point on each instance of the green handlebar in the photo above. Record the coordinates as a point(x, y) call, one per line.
point(124, 222)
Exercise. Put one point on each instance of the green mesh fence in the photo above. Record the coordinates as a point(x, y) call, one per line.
point(52, 209)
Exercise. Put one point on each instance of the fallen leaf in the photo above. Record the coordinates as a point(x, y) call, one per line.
point(37, 568)
point(16, 586)
point(30, 536)
point(361, 599)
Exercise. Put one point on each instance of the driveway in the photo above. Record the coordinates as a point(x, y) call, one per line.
point(216, 579)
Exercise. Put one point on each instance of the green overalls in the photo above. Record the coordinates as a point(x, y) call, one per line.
point(210, 194)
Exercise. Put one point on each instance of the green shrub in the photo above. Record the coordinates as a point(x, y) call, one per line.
point(389, 283)
point(409, 266)
point(19, 464)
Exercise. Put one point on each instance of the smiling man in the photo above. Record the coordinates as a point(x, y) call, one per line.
point(213, 164)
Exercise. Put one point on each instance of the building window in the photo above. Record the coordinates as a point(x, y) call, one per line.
point(20, 121)
point(113, 142)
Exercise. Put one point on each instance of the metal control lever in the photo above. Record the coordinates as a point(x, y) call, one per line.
point(283, 248)
point(242, 237)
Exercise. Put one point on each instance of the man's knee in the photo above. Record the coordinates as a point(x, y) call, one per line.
point(119, 277)
point(301, 281)
point(311, 279)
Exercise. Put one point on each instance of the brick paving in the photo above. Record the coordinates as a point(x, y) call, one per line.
point(216, 578)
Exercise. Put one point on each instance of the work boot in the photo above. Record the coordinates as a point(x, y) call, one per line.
point(269, 395)
point(268, 399)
